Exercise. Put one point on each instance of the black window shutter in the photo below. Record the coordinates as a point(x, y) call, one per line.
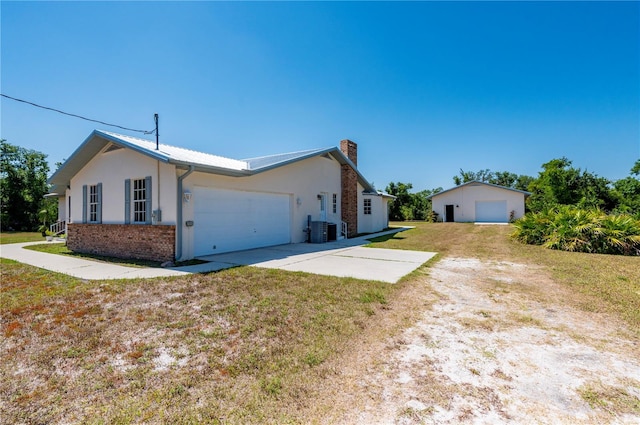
point(84, 204)
point(99, 206)
point(147, 198)
point(127, 201)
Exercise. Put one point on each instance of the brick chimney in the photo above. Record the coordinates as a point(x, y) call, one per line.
point(349, 198)
point(350, 149)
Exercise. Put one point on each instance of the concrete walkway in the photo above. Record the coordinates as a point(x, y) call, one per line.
point(345, 258)
point(79, 267)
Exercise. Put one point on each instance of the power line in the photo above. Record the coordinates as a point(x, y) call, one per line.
point(77, 116)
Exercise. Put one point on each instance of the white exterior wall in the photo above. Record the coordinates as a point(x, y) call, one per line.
point(465, 198)
point(112, 169)
point(379, 217)
point(303, 180)
point(62, 208)
point(67, 212)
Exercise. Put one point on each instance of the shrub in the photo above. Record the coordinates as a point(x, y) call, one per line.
point(569, 228)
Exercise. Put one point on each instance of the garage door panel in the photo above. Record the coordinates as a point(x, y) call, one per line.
point(235, 220)
point(491, 211)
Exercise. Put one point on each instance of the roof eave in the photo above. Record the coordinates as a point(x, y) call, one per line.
point(292, 160)
point(336, 153)
point(210, 169)
point(343, 159)
point(150, 153)
point(89, 149)
point(525, 193)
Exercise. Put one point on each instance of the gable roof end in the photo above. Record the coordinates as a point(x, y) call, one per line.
point(475, 183)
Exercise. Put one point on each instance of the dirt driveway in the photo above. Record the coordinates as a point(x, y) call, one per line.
point(493, 343)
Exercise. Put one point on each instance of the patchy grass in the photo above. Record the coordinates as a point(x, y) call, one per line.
point(244, 345)
point(19, 237)
point(600, 283)
point(614, 399)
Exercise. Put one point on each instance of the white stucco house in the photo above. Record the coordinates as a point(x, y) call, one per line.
point(479, 202)
point(124, 196)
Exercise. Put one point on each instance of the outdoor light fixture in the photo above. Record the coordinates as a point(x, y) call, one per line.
point(457, 206)
point(186, 196)
point(298, 201)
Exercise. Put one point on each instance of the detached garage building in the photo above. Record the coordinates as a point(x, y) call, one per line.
point(127, 197)
point(479, 202)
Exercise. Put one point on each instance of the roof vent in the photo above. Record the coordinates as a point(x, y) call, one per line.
point(112, 148)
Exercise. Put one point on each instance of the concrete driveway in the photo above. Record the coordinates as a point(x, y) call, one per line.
point(346, 258)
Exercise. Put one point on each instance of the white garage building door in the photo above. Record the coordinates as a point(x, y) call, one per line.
point(231, 220)
point(491, 211)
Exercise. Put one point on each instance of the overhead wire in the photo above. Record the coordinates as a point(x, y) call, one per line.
point(78, 116)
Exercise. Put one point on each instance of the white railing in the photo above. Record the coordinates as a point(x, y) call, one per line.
point(343, 229)
point(58, 227)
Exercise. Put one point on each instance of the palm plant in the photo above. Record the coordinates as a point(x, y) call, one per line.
point(569, 228)
point(619, 234)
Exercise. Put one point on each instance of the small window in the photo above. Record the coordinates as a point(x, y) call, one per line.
point(335, 203)
point(93, 203)
point(139, 201)
point(367, 206)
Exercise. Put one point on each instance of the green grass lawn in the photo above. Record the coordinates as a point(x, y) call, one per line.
point(19, 237)
point(244, 345)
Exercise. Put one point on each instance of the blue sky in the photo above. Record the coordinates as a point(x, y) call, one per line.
point(424, 88)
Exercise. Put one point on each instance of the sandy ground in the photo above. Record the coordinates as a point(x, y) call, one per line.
point(494, 343)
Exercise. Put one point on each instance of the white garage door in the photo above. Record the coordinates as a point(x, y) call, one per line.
point(491, 211)
point(231, 220)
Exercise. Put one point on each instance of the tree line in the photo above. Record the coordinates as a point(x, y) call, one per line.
point(23, 184)
point(557, 184)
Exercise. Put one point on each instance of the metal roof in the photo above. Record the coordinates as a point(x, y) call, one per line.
point(186, 158)
point(475, 183)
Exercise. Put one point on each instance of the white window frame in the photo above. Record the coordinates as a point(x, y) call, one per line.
point(139, 201)
point(93, 204)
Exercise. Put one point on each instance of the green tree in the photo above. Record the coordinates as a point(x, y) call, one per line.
point(400, 207)
point(523, 182)
point(561, 184)
point(409, 206)
point(557, 184)
point(504, 178)
point(468, 176)
point(500, 178)
point(595, 192)
point(636, 168)
point(23, 184)
point(627, 192)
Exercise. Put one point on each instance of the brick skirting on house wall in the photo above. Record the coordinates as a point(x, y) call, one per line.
point(139, 241)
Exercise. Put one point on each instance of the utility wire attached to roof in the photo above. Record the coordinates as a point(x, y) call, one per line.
point(77, 116)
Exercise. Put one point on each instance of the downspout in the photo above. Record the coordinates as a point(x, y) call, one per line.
point(159, 191)
point(179, 212)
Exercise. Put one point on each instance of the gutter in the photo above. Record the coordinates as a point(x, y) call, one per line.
point(179, 212)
